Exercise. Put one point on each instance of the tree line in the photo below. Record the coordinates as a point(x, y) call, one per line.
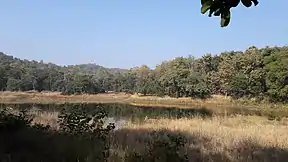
point(258, 73)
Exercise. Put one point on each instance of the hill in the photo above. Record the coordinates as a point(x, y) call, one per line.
point(21, 75)
point(93, 69)
point(81, 68)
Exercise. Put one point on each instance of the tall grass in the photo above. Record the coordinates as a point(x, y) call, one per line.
point(215, 130)
point(238, 138)
point(217, 139)
point(216, 101)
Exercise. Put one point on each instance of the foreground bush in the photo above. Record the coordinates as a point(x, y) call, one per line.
point(81, 137)
point(163, 147)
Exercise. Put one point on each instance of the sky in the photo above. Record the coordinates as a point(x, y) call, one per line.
point(129, 33)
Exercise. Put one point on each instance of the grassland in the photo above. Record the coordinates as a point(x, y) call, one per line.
point(219, 139)
point(238, 138)
point(216, 104)
point(56, 97)
point(235, 138)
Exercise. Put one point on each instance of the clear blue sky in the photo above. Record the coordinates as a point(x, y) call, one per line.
point(127, 33)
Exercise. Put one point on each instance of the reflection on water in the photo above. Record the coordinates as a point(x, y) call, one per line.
point(119, 112)
point(119, 123)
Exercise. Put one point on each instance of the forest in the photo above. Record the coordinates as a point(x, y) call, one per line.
point(253, 73)
point(150, 130)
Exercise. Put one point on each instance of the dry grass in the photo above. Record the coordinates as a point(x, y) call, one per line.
point(219, 105)
point(240, 138)
point(225, 131)
point(45, 118)
point(55, 97)
point(219, 139)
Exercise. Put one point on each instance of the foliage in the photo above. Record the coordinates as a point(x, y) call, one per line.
point(76, 120)
point(77, 139)
point(12, 122)
point(253, 73)
point(277, 74)
point(222, 8)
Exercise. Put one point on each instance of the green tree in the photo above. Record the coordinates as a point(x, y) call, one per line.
point(3, 79)
point(13, 84)
point(197, 86)
point(173, 76)
point(143, 79)
point(242, 68)
point(251, 73)
point(208, 65)
point(277, 74)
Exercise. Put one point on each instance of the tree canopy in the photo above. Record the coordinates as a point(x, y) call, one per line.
point(222, 8)
point(253, 73)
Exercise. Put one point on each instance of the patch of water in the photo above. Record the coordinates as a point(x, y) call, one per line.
point(119, 123)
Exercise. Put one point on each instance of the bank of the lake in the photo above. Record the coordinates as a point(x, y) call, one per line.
point(216, 105)
point(209, 134)
point(126, 110)
point(230, 139)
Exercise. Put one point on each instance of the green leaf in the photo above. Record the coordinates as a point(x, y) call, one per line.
point(212, 10)
point(246, 3)
point(215, 6)
point(224, 22)
point(225, 18)
point(255, 2)
point(217, 12)
point(234, 3)
point(203, 1)
point(205, 7)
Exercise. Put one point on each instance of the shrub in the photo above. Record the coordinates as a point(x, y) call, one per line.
point(163, 147)
point(81, 137)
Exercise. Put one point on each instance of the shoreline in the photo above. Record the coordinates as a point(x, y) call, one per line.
point(216, 104)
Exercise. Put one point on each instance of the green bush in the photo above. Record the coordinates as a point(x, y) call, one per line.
point(81, 137)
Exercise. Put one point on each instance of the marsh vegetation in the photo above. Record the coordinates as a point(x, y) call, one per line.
point(65, 132)
point(229, 107)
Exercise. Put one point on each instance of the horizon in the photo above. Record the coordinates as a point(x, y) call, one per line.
point(128, 34)
point(95, 63)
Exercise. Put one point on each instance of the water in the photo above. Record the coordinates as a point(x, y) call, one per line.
point(119, 123)
point(117, 113)
point(120, 111)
